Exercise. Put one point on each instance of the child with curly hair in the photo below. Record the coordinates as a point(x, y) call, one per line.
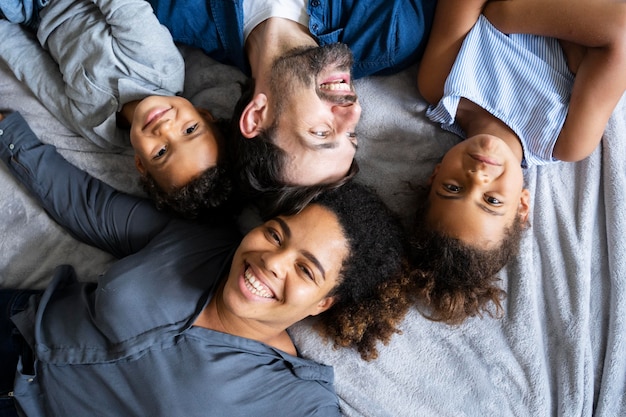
point(525, 83)
point(111, 73)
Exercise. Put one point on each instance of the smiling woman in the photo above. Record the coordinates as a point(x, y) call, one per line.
point(170, 318)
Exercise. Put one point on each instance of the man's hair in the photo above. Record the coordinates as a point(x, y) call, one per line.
point(258, 167)
point(454, 280)
point(370, 298)
point(207, 194)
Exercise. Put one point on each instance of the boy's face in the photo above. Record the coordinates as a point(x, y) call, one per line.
point(477, 191)
point(173, 140)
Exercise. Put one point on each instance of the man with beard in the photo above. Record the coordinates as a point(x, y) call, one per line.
point(300, 107)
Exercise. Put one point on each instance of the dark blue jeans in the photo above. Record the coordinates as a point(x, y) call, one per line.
point(11, 345)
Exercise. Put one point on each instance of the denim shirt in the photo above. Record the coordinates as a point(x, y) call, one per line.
point(384, 36)
point(126, 345)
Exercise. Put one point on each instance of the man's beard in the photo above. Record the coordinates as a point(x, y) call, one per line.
point(300, 67)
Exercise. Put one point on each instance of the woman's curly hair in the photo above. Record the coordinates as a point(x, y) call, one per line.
point(258, 165)
point(208, 193)
point(372, 295)
point(454, 280)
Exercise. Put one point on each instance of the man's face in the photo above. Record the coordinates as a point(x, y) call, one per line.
point(315, 110)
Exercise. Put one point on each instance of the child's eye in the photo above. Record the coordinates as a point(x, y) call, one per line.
point(191, 129)
point(160, 153)
point(452, 188)
point(493, 201)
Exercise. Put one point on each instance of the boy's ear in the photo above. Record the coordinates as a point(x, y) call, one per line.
point(524, 205)
point(434, 174)
point(139, 165)
point(253, 116)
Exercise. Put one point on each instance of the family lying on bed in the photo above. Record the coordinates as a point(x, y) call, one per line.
point(191, 302)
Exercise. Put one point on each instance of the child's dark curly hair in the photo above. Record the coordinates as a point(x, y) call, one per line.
point(371, 297)
point(206, 193)
point(454, 280)
point(209, 193)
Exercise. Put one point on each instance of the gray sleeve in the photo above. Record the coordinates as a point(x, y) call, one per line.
point(34, 67)
point(140, 37)
point(89, 209)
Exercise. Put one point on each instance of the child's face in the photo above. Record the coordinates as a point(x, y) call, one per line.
point(173, 140)
point(477, 191)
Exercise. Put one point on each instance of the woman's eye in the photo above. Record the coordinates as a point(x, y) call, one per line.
point(160, 153)
point(273, 236)
point(191, 129)
point(452, 188)
point(307, 272)
point(493, 201)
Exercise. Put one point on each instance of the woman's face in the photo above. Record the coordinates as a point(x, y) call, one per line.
point(284, 269)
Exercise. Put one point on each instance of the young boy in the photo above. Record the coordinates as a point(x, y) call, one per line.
point(526, 82)
point(107, 68)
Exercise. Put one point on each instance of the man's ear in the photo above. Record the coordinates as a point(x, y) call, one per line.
point(253, 117)
point(139, 165)
point(524, 205)
point(324, 305)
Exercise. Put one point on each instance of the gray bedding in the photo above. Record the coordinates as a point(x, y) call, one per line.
point(560, 350)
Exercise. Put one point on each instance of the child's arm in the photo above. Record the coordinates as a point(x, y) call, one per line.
point(453, 20)
point(139, 36)
point(599, 27)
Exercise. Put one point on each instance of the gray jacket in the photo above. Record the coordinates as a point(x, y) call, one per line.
point(96, 56)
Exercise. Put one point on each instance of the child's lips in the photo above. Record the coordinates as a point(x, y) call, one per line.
point(485, 160)
point(155, 115)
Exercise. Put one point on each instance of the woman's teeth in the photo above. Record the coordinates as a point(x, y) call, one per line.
point(255, 286)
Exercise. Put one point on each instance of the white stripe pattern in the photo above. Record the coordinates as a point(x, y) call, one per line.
point(521, 79)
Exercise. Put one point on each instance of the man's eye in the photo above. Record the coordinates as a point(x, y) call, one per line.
point(352, 135)
point(160, 153)
point(321, 134)
point(191, 129)
point(452, 188)
point(493, 201)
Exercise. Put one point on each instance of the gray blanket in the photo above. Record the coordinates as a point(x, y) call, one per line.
point(559, 351)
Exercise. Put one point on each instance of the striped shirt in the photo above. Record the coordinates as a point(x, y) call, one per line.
point(521, 79)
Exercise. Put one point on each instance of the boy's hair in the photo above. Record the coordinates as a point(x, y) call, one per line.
point(206, 193)
point(258, 165)
point(372, 294)
point(209, 193)
point(454, 280)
